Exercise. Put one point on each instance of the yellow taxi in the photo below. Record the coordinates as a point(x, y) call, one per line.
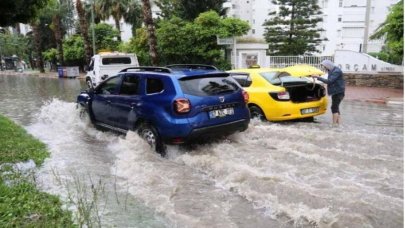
point(278, 94)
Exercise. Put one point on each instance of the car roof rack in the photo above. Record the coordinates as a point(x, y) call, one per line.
point(191, 67)
point(148, 68)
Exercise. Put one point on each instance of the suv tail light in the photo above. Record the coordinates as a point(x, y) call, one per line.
point(182, 105)
point(280, 96)
point(245, 96)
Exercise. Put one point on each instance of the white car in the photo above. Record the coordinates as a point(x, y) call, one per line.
point(107, 64)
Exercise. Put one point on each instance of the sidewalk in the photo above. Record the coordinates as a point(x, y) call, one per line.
point(375, 95)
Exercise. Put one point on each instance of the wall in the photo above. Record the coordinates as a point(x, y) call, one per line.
point(351, 61)
point(380, 80)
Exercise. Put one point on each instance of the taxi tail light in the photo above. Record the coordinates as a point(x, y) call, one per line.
point(280, 96)
point(245, 96)
point(182, 105)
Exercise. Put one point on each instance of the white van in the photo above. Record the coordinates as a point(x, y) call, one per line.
point(107, 64)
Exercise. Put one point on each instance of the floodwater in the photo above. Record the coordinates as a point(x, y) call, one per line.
point(293, 174)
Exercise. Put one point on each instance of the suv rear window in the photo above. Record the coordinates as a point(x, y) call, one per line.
point(208, 85)
point(116, 60)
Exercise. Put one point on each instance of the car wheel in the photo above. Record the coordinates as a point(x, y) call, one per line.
point(151, 136)
point(89, 84)
point(256, 112)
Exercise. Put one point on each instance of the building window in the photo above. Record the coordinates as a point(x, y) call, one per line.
point(325, 3)
point(339, 18)
point(340, 3)
point(253, 31)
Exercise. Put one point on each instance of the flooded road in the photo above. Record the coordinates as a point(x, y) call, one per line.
point(292, 174)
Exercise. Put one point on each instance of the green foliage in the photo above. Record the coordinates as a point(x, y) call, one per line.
point(50, 55)
point(13, 44)
point(14, 11)
point(182, 41)
point(21, 204)
point(189, 9)
point(73, 50)
point(139, 46)
point(17, 145)
point(292, 30)
point(134, 16)
point(106, 37)
point(392, 30)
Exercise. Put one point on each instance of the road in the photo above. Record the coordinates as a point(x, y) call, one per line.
point(292, 174)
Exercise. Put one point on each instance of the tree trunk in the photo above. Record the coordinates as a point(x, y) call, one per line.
point(84, 30)
point(118, 27)
point(290, 36)
point(17, 28)
point(57, 31)
point(148, 20)
point(38, 48)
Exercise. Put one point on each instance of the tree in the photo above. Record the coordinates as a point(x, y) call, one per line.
point(150, 26)
point(189, 9)
point(74, 53)
point(183, 41)
point(13, 44)
point(19, 11)
point(134, 16)
point(392, 30)
point(84, 30)
point(293, 30)
point(139, 45)
point(106, 37)
point(115, 8)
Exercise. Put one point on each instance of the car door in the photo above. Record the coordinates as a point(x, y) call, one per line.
point(124, 105)
point(101, 104)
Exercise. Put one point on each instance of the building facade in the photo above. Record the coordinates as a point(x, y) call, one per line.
point(255, 12)
point(347, 23)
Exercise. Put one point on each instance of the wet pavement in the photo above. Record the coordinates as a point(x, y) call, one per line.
point(376, 95)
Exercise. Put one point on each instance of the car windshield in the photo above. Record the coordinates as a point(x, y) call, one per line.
point(277, 78)
point(209, 85)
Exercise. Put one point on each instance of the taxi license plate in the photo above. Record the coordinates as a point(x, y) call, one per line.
point(221, 113)
point(309, 110)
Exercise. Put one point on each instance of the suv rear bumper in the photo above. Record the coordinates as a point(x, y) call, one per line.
point(216, 131)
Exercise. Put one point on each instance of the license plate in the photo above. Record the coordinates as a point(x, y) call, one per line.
point(309, 110)
point(221, 113)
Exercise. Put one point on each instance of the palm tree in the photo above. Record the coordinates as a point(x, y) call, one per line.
point(37, 45)
point(84, 30)
point(152, 40)
point(134, 16)
point(115, 8)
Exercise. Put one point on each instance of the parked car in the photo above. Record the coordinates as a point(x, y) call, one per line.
point(107, 64)
point(168, 106)
point(283, 94)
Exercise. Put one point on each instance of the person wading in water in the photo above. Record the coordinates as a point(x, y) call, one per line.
point(336, 88)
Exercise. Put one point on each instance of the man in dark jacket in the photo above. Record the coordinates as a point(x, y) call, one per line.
point(336, 88)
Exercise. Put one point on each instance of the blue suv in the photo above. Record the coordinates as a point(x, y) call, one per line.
point(172, 105)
